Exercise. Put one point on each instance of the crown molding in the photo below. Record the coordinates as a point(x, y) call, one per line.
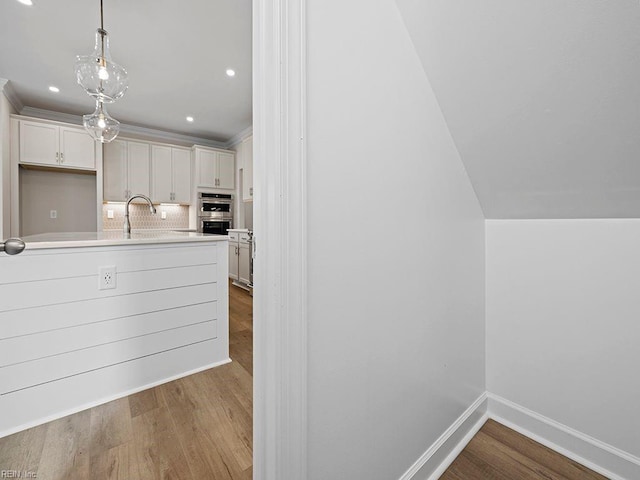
point(51, 115)
point(239, 137)
point(7, 88)
point(145, 133)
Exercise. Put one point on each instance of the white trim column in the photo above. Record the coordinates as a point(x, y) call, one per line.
point(280, 278)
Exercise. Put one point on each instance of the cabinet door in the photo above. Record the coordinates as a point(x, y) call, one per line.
point(181, 175)
point(77, 149)
point(244, 264)
point(206, 162)
point(115, 171)
point(247, 170)
point(161, 176)
point(39, 143)
point(233, 260)
point(226, 170)
point(138, 168)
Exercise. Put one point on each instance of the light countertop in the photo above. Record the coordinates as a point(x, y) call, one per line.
point(115, 237)
point(240, 230)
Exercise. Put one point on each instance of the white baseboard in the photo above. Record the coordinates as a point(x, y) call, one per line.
point(444, 451)
point(600, 457)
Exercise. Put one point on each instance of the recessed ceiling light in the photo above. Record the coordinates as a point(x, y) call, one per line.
point(52, 88)
point(26, 2)
point(189, 119)
point(231, 73)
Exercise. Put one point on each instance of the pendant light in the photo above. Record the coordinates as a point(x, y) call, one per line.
point(100, 76)
point(100, 125)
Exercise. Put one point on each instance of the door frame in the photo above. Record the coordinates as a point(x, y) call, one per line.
point(280, 205)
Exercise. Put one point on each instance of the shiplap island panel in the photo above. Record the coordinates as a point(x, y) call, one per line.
point(67, 344)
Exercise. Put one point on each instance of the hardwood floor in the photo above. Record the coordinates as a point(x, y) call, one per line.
point(198, 427)
point(499, 453)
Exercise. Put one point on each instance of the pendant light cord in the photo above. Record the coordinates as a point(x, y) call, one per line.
point(102, 32)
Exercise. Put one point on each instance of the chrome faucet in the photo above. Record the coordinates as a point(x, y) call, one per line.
point(127, 224)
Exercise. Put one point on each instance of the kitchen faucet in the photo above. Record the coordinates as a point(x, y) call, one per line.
point(127, 224)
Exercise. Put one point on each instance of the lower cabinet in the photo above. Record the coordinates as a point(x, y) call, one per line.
point(244, 264)
point(240, 257)
point(234, 253)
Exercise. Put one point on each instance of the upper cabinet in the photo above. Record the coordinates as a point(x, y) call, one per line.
point(162, 172)
point(215, 168)
point(170, 174)
point(126, 169)
point(56, 145)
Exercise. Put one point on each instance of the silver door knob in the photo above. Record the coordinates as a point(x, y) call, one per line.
point(13, 246)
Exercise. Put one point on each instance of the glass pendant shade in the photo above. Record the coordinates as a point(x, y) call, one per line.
point(100, 77)
point(102, 127)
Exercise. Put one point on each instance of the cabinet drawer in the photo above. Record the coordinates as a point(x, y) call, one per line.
point(234, 236)
point(244, 238)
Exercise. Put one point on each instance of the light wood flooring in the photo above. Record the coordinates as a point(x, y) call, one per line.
point(198, 427)
point(499, 453)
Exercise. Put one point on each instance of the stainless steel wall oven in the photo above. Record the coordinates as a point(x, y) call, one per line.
point(215, 213)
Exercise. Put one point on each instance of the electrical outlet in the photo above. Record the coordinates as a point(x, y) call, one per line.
point(53, 214)
point(109, 213)
point(163, 215)
point(107, 278)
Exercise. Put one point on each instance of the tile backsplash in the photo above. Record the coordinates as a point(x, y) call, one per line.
point(141, 218)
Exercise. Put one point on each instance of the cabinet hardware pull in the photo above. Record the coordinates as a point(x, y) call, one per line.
point(57, 157)
point(62, 158)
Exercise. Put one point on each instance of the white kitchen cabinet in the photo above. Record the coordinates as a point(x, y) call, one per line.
point(240, 258)
point(226, 170)
point(181, 159)
point(56, 145)
point(138, 168)
point(215, 168)
point(77, 148)
point(244, 263)
point(126, 170)
point(234, 252)
point(170, 174)
point(115, 171)
point(247, 169)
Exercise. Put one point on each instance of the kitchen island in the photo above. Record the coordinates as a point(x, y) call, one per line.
point(89, 317)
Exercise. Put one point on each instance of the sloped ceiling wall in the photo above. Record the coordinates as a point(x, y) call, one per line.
point(542, 98)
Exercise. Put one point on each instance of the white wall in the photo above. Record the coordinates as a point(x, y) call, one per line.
point(563, 329)
point(395, 254)
point(71, 195)
point(6, 109)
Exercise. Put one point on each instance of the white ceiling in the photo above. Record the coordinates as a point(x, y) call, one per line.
point(176, 54)
point(542, 98)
